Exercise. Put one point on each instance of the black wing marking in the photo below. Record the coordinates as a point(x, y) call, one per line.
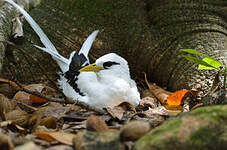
point(77, 62)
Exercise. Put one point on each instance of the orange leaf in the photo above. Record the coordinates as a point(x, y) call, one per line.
point(28, 98)
point(175, 100)
point(22, 96)
point(36, 99)
point(64, 138)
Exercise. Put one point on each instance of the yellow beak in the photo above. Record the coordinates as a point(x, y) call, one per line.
point(91, 67)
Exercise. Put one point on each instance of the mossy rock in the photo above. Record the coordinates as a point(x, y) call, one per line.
point(88, 140)
point(203, 129)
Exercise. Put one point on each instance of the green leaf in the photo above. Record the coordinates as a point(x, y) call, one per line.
point(197, 61)
point(212, 62)
point(192, 51)
point(202, 67)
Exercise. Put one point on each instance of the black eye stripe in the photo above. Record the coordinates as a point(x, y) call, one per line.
point(108, 64)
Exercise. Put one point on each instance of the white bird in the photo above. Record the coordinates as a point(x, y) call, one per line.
point(105, 83)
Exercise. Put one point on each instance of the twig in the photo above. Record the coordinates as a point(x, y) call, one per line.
point(58, 100)
point(26, 105)
point(197, 106)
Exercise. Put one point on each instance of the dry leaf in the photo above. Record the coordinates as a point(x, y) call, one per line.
point(148, 102)
point(11, 124)
point(8, 88)
point(20, 117)
point(6, 106)
point(127, 106)
point(29, 98)
point(116, 112)
point(64, 138)
point(161, 110)
point(159, 93)
point(95, 123)
point(48, 122)
point(175, 101)
point(36, 99)
point(5, 142)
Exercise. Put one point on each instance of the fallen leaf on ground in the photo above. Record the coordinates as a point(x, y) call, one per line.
point(30, 98)
point(161, 110)
point(116, 112)
point(5, 142)
point(175, 101)
point(48, 122)
point(159, 93)
point(127, 106)
point(12, 124)
point(148, 102)
point(6, 105)
point(8, 88)
point(20, 117)
point(64, 138)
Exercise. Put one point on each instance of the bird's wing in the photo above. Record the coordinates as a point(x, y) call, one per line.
point(80, 59)
point(49, 47)
point(87, 44)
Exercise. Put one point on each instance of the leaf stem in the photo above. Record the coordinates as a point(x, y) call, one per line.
point(225, 74)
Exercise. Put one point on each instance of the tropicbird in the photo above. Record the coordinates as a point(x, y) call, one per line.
point(105, 83)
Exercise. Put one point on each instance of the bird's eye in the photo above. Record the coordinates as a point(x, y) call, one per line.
point(108, 64)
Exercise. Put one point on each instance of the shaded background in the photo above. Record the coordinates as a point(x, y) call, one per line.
point(147, 33)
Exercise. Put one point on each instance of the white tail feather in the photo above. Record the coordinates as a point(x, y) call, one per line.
point(49, 47)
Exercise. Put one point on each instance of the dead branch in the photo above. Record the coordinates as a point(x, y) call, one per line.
point(58, 100)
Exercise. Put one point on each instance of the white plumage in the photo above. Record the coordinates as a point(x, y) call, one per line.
point(105, 83)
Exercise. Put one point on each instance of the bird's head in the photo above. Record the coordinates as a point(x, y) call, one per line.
point(109, 63)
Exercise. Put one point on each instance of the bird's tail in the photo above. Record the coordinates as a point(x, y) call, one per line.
point(49, 47)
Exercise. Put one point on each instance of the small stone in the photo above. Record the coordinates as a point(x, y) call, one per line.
point(28, 146)
point(97, 141)
point(95, 123)
point(134, 130)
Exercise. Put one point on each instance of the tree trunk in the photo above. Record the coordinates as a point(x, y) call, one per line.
point(147, 33)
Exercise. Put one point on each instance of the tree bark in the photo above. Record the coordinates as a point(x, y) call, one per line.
point(7, 14)
point(147, 33)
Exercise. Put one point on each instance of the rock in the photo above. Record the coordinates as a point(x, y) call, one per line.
point(60, 147)
point(204, 128)
point(95, 123)
point(134, 130)
point(218, 97)
point(97, 141)
point(28, 146)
